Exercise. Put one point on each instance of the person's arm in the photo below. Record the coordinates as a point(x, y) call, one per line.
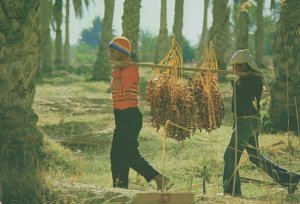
point(124, 79)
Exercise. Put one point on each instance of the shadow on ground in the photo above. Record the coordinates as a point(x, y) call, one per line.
point(79, 134)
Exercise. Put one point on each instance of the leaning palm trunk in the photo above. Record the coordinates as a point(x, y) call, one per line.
point(178, 21)
point(286, 66)
point(163, 40)
point(259, 34)
point(219, 31)
point(130, 24)
point(20, 140)
point(102, 67)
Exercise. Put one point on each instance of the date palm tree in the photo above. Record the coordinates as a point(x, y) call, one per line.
point(45, 59)
point(130, 23)
point(178, 21)
point(21, 142)
point(259, 33)
point(285, 90)
point(102, 67)
point(204, 35)
point(66, 55)
point(163, 39)
point(243, 25)
point(235, 19)
point(58, 17)
point(219, 31)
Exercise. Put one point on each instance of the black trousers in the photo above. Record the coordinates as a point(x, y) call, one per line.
point(124, 150)
point(245, 136)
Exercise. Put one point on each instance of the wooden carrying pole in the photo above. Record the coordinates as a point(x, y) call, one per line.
point(191, 69)
point(159, 66)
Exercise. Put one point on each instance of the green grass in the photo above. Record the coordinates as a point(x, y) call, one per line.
point(72, 109)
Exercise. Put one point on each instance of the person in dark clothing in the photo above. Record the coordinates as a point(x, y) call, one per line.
point(128, 120)
point(247, 90)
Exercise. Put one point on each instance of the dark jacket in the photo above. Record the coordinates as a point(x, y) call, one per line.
point(248, 92)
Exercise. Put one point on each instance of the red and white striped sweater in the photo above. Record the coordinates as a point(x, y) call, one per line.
point(125, 87)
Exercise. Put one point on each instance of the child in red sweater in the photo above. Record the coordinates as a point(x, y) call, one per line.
point(128, 119)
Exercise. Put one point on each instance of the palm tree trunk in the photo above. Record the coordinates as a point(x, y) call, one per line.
point(102, 67)
point(45, 64)
point(259, 34)
point(57, 12)
point(20, 140)
point(130, 24)
point(286, 63)
point(163, 39)
point(204, 35)
point(236, 10)
point(67, 34)
point(178, 21)
point(243, 27)
point(219, 31)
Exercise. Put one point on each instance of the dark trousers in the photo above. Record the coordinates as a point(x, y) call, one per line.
point(124, 150)
point(245, 136)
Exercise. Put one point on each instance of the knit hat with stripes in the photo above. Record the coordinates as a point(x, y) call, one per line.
point(121, 44)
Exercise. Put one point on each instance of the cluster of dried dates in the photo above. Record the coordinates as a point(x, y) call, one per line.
point(194, 105)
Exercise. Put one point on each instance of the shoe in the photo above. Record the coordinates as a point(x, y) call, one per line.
point(163, 183)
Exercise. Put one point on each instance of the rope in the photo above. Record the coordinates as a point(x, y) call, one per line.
point(173, 59)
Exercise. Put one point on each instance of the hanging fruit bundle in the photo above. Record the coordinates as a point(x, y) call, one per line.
point(209, 103)
point(169, 99)
point(209, 106)
point(191, 106)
